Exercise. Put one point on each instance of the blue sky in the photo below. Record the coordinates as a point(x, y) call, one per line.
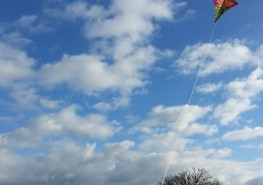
point(89, 91)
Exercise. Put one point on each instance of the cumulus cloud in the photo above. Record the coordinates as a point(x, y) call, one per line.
point(131, 18)
point(67, 120)
point(217, 59)
point(231, 110)
point(15, 39)
point(91, 74)
point(161, 118)
point(124, 26)
point(244, 134)
point(75, 10)
point(209, 87)
point(50, 104)
point(121, 19)
point(16, 65)
point(259, 54)
point(69, 163)
point(102, 106)
point(32, 24)
point(247, 88)
point(241, 93)
point(164, 142)
point(25, 97)
point(64, 123)
point(115, 148)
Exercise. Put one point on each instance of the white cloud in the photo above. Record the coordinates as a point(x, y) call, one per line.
point(188, 114)
point(259, 54)
point(15, 39)
point(247, 146)
point(183, 16)
point(121, 56)
point(247, 88)
point(66, 122)
point(50, 104)
point(75, 10)
point(26, 21)
point(241, 93)
point(16, 65)
point(117, 164)
point(31, 23)
point(222, 153)
point(244, 134)
point(25, 96)
point(102, 106)
point(13, 34)
point(80, 9)
point(90, 74)
point(196, 128)
point(217, 59)
point(131, 18)
point(118, 148)
point(209, 87)
point(122, 18)
point(164, 142)
point(231, 110)
point(163, 117)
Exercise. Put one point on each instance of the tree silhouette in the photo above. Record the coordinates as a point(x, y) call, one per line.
point(191, 177)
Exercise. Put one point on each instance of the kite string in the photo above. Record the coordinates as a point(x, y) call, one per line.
point(200, 67)
point(188, 101)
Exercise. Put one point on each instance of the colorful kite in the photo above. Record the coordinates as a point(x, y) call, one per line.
point(221, 6)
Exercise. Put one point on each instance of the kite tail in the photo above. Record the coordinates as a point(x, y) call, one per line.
point(188, 101)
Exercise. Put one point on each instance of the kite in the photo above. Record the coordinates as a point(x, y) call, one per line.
point(221, 6)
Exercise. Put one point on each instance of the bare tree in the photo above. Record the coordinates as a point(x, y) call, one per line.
point(192, 177)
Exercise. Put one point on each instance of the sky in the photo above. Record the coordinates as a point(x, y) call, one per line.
point(95, 92)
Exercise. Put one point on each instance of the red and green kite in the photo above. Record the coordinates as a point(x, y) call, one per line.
point(221, 6)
